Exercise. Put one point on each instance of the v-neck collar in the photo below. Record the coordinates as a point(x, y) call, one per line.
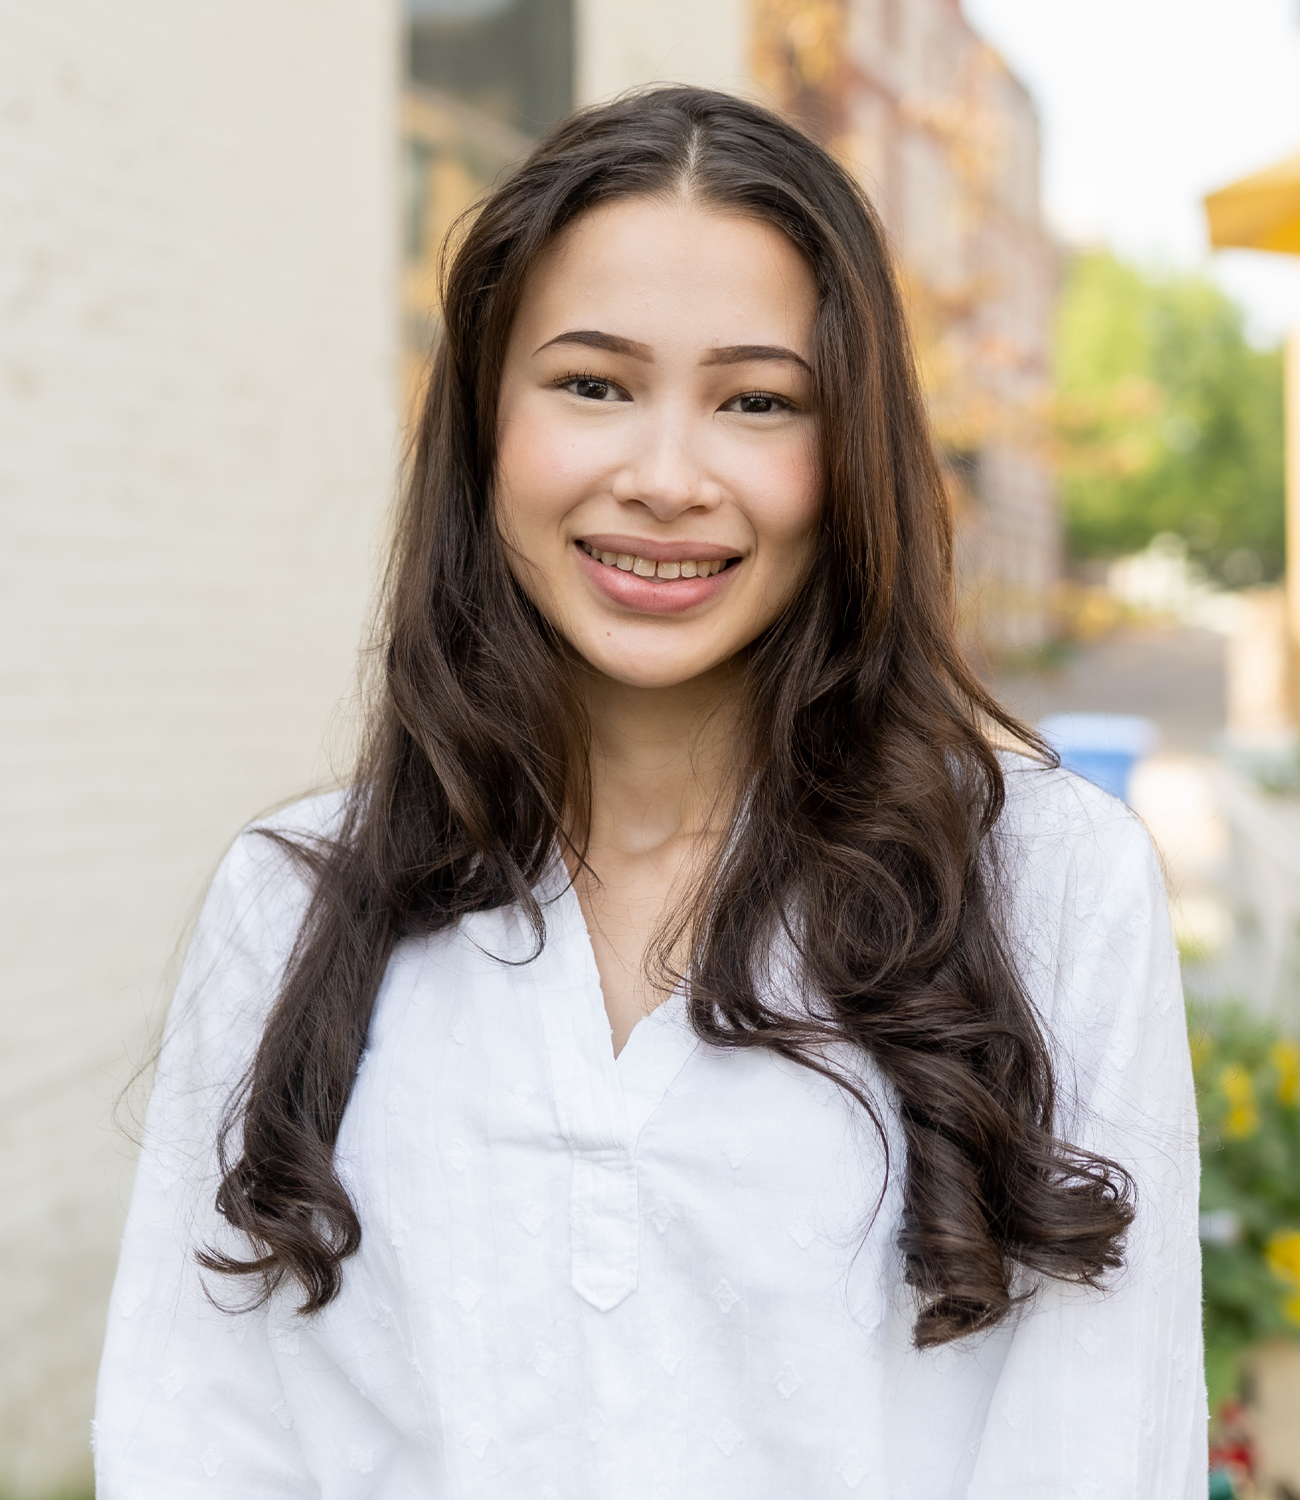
point(627, 1088)
point(602, 1103)
point(653, 1055)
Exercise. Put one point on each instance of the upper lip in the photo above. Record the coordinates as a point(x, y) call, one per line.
point(660, 551)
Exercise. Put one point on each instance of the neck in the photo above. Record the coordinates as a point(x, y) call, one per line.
point(662, 761)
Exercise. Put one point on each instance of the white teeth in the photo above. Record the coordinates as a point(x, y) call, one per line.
point(646, 567)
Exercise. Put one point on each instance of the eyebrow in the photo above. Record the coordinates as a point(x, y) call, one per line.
point(730, 354)
point(592, 338)
point(740, 354)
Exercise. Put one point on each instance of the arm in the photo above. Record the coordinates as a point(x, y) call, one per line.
point(190, 1400)
point(1103, 1394)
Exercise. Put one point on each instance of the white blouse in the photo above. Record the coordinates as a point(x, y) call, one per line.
point(658, 1276)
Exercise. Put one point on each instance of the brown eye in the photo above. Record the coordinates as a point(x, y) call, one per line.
point(593, 388)
point(757, 404)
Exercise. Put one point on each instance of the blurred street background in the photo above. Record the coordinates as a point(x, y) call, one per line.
point(219, 238)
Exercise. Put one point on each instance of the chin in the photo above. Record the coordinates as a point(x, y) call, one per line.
point(636, 671)
point(650, 679)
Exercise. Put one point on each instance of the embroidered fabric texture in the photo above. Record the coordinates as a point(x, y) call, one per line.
point(657, 1276)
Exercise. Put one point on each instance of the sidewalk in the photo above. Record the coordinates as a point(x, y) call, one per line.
point(1173, 676)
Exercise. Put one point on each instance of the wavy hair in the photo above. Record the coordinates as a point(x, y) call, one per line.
point(871, 790)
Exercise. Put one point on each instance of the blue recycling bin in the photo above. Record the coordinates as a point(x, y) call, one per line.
point(1104, 748)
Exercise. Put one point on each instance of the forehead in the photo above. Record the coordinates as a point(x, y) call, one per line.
point(668, 272)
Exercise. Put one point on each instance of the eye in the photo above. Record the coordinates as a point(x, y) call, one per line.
point(758, 404)
point(592, 388)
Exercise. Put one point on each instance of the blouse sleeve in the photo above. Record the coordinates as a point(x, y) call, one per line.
point(1102, 1393)
point(189, 1400)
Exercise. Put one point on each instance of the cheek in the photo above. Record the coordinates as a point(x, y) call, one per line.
point(530, 480)
point(542, 470)
point(786, 484)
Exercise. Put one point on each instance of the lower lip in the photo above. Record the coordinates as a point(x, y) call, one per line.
point(652, 596)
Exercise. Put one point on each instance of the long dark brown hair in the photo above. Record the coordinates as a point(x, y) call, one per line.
point(871, 790)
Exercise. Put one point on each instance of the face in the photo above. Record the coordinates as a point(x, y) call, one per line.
point(658, 475)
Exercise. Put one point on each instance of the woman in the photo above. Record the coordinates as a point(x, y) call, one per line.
point(689, 1059)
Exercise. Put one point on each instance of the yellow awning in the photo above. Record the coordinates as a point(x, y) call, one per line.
point(1261, 212)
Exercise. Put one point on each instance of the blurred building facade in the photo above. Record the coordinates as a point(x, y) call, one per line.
point(942, 135)
point(202, 274)
point(197, 444)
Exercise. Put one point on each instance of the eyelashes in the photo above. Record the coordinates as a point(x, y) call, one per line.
point(775, 402)
point(590, 375)
point(778, 403)
point(584, 377)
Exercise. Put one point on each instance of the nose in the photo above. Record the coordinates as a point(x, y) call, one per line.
point(666, 473)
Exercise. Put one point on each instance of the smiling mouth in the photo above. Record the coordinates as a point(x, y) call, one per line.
point(647, 567)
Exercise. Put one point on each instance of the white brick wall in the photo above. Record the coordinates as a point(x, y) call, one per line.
point(197, 368)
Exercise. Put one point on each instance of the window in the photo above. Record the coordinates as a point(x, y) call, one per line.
point(510, 59)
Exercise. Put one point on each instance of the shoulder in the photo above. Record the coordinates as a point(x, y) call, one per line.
point(250, 920)
point(316, 817)
point(1056, 827)
point(1087, 921)
point(308, 823)
point(263, 875)
point(1083, 889)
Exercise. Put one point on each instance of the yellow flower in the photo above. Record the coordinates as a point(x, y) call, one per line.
point(1286, 1059)
point(1238, 1089)
point(1282, 1252)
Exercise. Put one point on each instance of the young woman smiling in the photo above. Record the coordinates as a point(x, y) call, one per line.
point(689, 1059)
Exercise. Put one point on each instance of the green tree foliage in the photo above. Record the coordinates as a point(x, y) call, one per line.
point(1167, 420)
